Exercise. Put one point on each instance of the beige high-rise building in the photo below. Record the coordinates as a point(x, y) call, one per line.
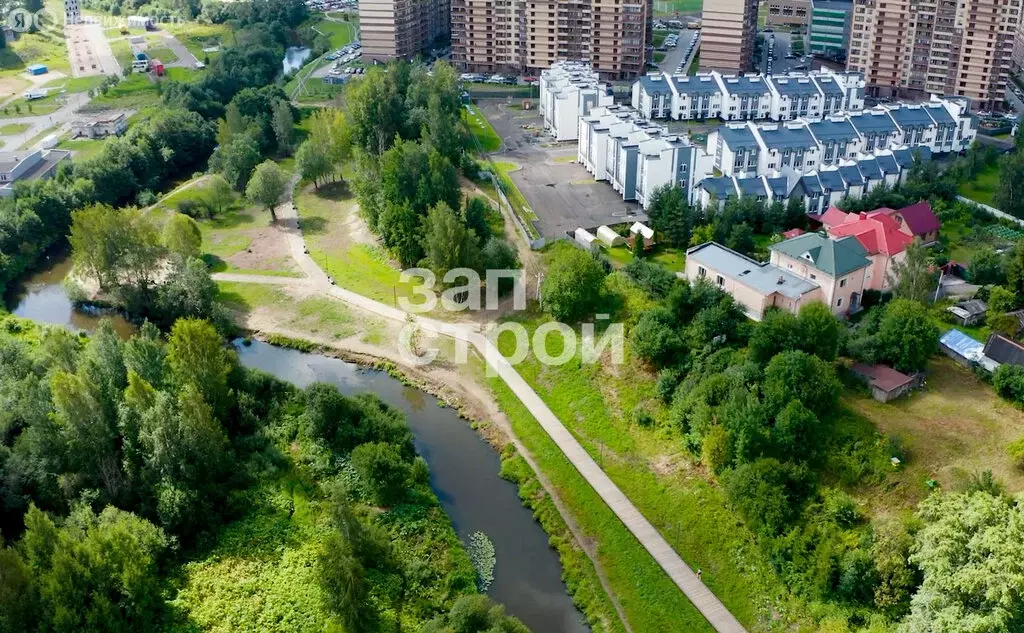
point(946, 47)
point(527, 36)
point(401, 28)
point(727, 35)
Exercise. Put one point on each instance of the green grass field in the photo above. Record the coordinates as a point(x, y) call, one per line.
point(75, 84)
point(487, 139)
point(983, 188)
point(195, 37)
point(84, 149)
point(340, 32)
point(13, 128)
point(671, 7)
point(134, 91)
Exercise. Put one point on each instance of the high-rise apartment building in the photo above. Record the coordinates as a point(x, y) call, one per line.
point(527, 36)
point(402, 28)
point(727, 36)
point(948, 47)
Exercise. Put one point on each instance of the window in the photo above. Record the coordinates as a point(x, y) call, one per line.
point(720, 280)
point(813, 276)
point(842, 283)
point(701, 271)
point(839, 302)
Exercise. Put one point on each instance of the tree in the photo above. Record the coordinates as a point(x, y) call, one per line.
point(331, 135)
point(797, 375)
point(343, 581)
point(655, 337)
point(144, 355)
point(182, 236)
point(820, 330)
point(238, 159)
point(267, 186)
point(670, 214)
point(638, 246)
point(1000, 303)
point(1009, 196)
point(897, 579)
point(401, 230)
point(196, 356)
point(778, 331)
point(1015, 271)
point(218, 194)
point(115, 247)
point(1008, 381)
point(382, 470)
point(767, 493)
point(912, 278)
point(702, 234)
point(474, 215)
point(188, 291)
point(907, 335)
point(986, 267)
point(573, 285)
point(313, 163)
point(971, 556)
point(283, 122)
point(797, 432)
point(741, 238)
point(447, 242)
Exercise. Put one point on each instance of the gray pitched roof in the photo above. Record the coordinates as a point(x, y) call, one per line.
point(910, 117)
point(721, 187)
point(887, 163)
point(787, 138)
point(873, 122)
point(737, 137)
point(827, 84)
point(869, 167)
point(751, 186)
point(794, 87)
point(745, 86)
point(851, 175)
point(763, 277)
point(779, 186)
point(811, 184)
point(940, 114)
point(655, 84)
point(829, 130)
point(831, 180)
point(699, 85)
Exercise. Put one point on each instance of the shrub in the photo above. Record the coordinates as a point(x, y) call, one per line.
point(716, 452)
point(768, 493)
point(1009, 382)
point(642, 418)
point(1016, 452)
point(840, 507)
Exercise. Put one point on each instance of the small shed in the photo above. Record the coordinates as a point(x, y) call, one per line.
point(642, 229)
point(885, 382)
point(158, 67)
point(586, 239)
point(609, 237)
point(791, 233)
point(965, 350)
point(970, 312)
point(37, 69)
point(1004, 350)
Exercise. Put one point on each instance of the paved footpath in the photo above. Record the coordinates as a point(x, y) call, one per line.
point(680, 573)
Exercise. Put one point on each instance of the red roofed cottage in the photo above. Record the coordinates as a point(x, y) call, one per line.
point(881, 237)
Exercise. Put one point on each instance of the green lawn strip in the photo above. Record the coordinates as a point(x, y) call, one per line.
point(135, 91)
point(84, 149)
point(515, 197)
point(651, 601)
point(195, 37)
point(671, 7)
point(694, 65)
point(74, 85)
point(162, 53)
point(184, 75)
point(983, 188)
point(246, 297)
point(32, 142)
point(11, 129)
point(487, 139)
point(340, 33)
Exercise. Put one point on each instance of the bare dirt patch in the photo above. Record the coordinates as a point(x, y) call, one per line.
point(267, 250)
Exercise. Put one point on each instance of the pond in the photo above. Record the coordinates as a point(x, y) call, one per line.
point(42, 298)
point(463, 467)
point(294, 58)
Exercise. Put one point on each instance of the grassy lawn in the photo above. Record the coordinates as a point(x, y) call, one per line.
point(515, 197)
point(184, 75)
point(84, 148)
point(671, 258)
point(983, 188)
point(29, 144)
point(670, 7)
point(24, 107)
point(43, 47)
point(659, 57)
point(487, 139)
point(135, 91)
point(195, 37)
point(694, 65)
point(339, 32)
point(13, 128)
point(955, 427)
point(162, 53)
point(329, 221)
point(75, 84)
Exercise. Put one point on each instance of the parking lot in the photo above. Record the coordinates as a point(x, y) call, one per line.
point(676, 59)
point(563, 194)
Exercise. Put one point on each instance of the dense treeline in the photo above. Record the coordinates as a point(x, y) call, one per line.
point(119, 458)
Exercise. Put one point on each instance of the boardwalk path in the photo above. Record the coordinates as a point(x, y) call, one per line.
point(706, 602)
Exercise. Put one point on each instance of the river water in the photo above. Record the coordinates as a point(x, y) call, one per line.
point(463, 467)
point(294, 58)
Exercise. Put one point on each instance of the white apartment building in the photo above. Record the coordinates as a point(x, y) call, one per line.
point(755, 149)
point(712, 95)
point(568, 91)
point(636, 156)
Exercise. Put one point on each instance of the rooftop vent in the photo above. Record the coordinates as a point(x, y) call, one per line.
point(781, 280)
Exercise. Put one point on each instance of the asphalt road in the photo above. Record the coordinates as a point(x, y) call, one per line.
point(675, 56)
point(37, 123)
point(781, 65)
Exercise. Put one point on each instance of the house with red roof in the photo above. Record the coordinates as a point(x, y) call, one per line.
point(882, 239)
point(917, 220)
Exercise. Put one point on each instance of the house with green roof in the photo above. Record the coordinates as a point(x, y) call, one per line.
point(840, 267)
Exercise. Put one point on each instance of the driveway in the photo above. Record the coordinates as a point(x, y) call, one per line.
point(185, 57)
point(59, 119)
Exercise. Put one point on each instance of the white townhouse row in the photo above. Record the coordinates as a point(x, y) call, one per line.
point(568, 91)
point(755, 149)
point(636, 156)
point(819, 188)
point(712, 95)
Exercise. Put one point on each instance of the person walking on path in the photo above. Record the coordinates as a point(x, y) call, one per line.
point(699, 574)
